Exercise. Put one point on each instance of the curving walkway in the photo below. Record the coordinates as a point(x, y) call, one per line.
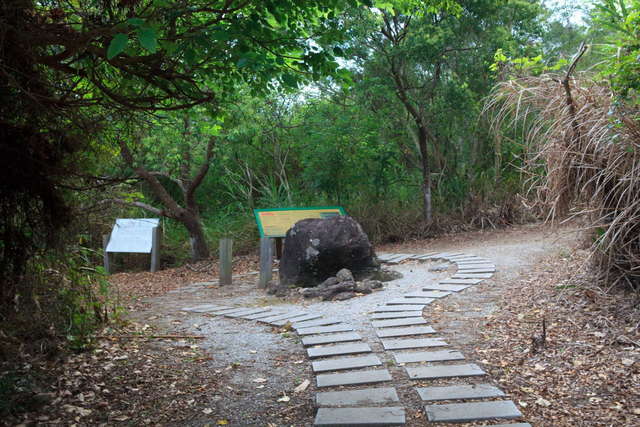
point(355, 382)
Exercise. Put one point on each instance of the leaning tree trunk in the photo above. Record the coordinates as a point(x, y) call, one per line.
point(197, 240)
point(427, 211)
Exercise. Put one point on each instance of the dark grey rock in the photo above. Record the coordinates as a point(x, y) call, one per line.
point(367, 396)
point(345, 417)
point(316, 249)
point(385, 275)
point(278, 289)
point(345, 363)
point(344, 275)
point(364, 288)
point(474, 411)
point(459, 392)
point(341, 296)
point(352, 378)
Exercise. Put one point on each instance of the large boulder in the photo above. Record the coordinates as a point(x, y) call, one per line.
point(316, 249)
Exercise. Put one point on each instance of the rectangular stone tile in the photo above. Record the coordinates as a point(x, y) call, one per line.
point(459, 392)
point(424, 256)
point(269, 313)
point(444, 371)
point(344, 417)
point(339, 350)
point(399, 322)
point(367, 396)
point(324, 321)
point(460, 281)
point(331, 338)
point(205, 308)
point(428, 356)
point(287, 315)
point(410, 300)
point(475, 270)
point(325, 329)
point(472, 276)
point(396, 315)
point(403, 332)
point(345, 363)
point(452, 255)
point(408, 307)
point(473, 411)
point(445, 287)
point(465, 266)
point(399, 259)
point(229, 310)
point(512, 425)
point(353, 378)
point(400, 344)
point(467, 256)
point(246, 312)
point(473, 261)
point(427, 294)
point(296, 319)
point(385, 257)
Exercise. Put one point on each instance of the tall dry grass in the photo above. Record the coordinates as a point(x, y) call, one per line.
point(584, 152)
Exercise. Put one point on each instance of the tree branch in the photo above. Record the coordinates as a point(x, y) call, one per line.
point(204, 168)
point(136, 204)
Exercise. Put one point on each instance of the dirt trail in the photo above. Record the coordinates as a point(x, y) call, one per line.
point(260, 364)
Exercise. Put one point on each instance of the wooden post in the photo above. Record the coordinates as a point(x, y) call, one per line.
point(226, 248)
point(106, 260)
point(155, 249)
point(266, 261)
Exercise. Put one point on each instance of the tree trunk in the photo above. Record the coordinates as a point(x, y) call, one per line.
point(197, 240)
point(427, 214)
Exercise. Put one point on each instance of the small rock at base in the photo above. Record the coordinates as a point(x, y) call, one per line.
point(344, 275)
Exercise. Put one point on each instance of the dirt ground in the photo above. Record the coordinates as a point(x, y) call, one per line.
point(169, 367)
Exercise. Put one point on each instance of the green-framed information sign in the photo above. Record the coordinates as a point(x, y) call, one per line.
point(276, 222)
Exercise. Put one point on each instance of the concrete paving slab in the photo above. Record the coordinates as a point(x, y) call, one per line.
point(399, 344)
point(352, 378)
point(296, 319)
point(323, 321)
point(472, 411)
point(338, 350)
point(407, 307)
point(475, 270)
point(399, 259)
point(345, 363)
point(444, 371)
point(399, 322)
point(345, 417)
point(465, 266)
point(459, 392)
point(403, 332)
point(410, 300)
point(341, 327)
point(257, 316)
point(204, 308)
point(367, 396)
point(472, 276)
point(287, 315)
point(427, 356)
point(428, 294)
point(246, 312)
point(331, 338)
point(228, 310)
point(460, 281)
point(444, 287)
point(396, 315)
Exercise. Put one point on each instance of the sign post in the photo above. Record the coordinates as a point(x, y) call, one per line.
point(274, 224)
point(134, 235)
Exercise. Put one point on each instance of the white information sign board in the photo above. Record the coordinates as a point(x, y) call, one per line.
point(132, 235)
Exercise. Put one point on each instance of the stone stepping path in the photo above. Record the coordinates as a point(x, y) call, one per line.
point(428, 356)
point(364, 397)
point(401, 332)
point(374, 416)
point(346, 363)
point(473, 411)
point(338, 350)
point(333, 338)
point(353, 378)
point(401, 344)
point(341, 357)
point(444, 371)
point(465, 391)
